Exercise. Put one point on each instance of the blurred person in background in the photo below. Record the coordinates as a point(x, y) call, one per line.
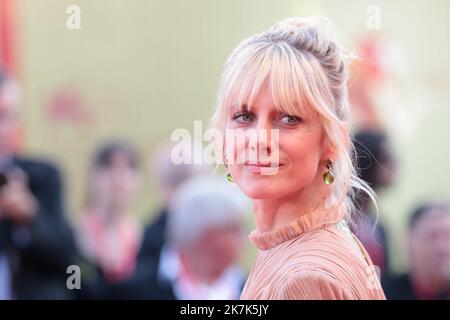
point(204, 241)
point(377, 167)
point(109, 236)
point(168, 177)
point(429, 255)
point(36, 242)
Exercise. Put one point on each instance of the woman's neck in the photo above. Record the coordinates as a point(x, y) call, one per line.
point(276, 212)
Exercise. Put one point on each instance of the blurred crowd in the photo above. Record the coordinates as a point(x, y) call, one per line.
point(190, 250)
point(192, 247)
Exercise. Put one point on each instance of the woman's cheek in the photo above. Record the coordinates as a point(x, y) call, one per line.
point(235, 152)
point(302, 157)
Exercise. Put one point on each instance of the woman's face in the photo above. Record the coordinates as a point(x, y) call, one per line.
point(300, 146)
point(116, 185)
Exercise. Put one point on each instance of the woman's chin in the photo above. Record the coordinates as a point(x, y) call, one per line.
point(261, 191)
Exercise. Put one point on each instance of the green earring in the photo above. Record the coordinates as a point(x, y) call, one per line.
point(229, 177)
point(328, 177)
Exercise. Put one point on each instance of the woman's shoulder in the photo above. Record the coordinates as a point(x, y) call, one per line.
point(325, 265)
point(314, 284)
point(324, 252)
point(325, 241)
point(322, 264)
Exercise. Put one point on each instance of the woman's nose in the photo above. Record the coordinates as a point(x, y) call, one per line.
point(263, 136)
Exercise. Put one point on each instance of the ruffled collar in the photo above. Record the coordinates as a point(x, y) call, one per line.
point(266, 240)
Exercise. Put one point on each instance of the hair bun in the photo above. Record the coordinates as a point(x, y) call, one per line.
point(315, 35)
point(300, 24)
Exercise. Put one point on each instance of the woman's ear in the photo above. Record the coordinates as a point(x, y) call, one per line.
point(329, 151)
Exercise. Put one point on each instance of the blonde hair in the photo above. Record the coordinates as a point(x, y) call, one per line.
point(307, 72)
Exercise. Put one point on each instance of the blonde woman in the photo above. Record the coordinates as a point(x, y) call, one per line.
point(292, 79)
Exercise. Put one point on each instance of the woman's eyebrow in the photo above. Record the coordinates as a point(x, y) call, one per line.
point(244, 107)
point(240, 108)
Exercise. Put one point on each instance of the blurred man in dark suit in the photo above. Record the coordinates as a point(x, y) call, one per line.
point(35, 239)
point(204, 239)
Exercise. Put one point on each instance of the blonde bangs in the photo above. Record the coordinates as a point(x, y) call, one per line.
point(290, 83)
point(244, 83)
point(292, 79)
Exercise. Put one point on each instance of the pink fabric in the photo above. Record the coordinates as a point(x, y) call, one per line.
point(311, 258)
point(114, 247)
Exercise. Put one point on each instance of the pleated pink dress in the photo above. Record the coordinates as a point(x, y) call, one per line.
point(314, 257)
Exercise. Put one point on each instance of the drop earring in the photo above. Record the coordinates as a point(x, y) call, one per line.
point(328, 177)
point(225, 163)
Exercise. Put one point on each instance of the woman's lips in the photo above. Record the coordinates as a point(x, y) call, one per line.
point(263, 168)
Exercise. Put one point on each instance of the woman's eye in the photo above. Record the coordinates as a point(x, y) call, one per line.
point(243, 117)
point(289, 119)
